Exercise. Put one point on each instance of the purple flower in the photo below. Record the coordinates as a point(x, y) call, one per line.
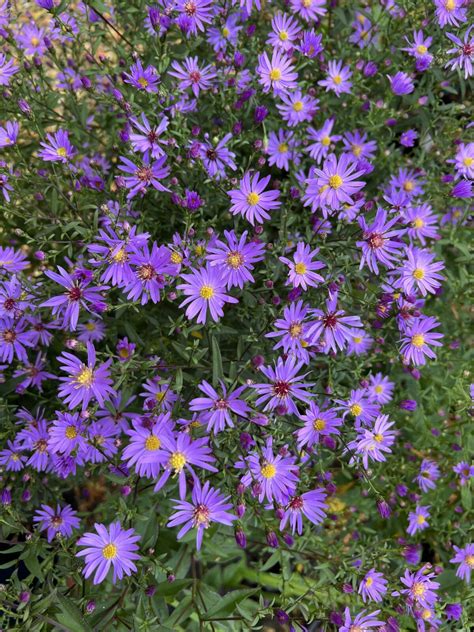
point(8, 68)
point(310, 43)
point(58, 148)
point(285, 31)
point(278, 74)
point(379, 242)
point(272, 477)
point(337, 78)
point(450, 12)
point(252, 201)
point(285, 386)
point(216, 158)
point(149, 269)
point(407, 139)
point(380, 388)
point(66, 434)
point(417, 520)
point(148, 140)
point(429, 473)
point(323, 138)
point(219, 406)
point(373, 444)
point(85, 382)
point(337, 181)
point(235, 258)
point(125, 349)
point(417, 337)
point(331, 330)
point(420, 589)
point(14, 339)
point(9, 133)
point(281, 149)
point(190, 75)
point(357, 144)
point(34, 373)
point(142, 78)
point(453, 611)
point(205, 290)
point(291, 329)
point(401, 83)
point(62, 520)
point(317, 423)
point(142, 177)
point(309, 11)
point(208, 505)
point(312, 505)
point(12, 260)
point(462, 190)
point(463, 52)
point(11, 457)
point(359, 407)
point(422, 222)
point(302, 268)
point(419, 272)
point(144, 450)
point(464, 471)
point(373, 587)
point(360, 622)
point(419, 47)
point(197, 13)
point(297, 107)
point(113, 547)
point(465, 558)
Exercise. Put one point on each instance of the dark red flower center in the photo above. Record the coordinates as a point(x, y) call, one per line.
point(375, 240)
point(152, 136)
point(9, 335)
point(74, 293)
point(9, 304)
point(41, 445)
point(468, 49)
point(220, 404)
point(296, 503)
point(146, 272)
point(211, 154)
point(330, 320)
point(144, 174)
point(281, 388)
point(195, 76)
point(201, 515)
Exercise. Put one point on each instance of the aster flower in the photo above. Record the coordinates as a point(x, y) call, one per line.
point(463, 51)
point(421, 221)
point(61, 520)
point(291, 329)
point(420, 588)
point(198, 13)
point(218, 407)
point(272, 477)
point(429, 473)
point(8, 68)
point(373, 444)
point(142, 177)
point(9, 133)
point(462, 190)
point(281, 149)
point(331, 329)
point(465, 558)
point(205, 291)
point(208, 505)
point(148, 138)
point(408, 138)
point(359, 342)
point(85, 382)
point(450, 12)
point(101, 441)
point(337, 181)
point(31, 39)
point(77, 294)
point(409, 181)
point(235, 258)
point(109, 547)
point(311, 504)
point(34, 374)
point(420, 45)
point(380, 242)
point(219, 38)
point(181, 453)
point(285, 30)
point(92, 331)
point(14, 339)
point(297, 107)
point(192, 76)
point(125, 349)
point(373, 587)
point(380, 388)
point(401, 83)
point(311, 44)
point(464, 160)
point(419, 272)
point(35, 439)
point(360, 622)
point(58, 148)
point(14, 298)
point(418, 519)
point(66, 434)
point(144, 452)
point(11, 457)
point(162, 395)
point(285, 386)
point(278, 74)
point(464, 471)
point(337, 79)
point(302, 268)
point(318, 423)
point(217, 158)
point(252, 201)
point(142, 78)
point(149, 267)
point(417, 337)
point(323, 139)
point(309, 10)
point(12, 260)
point(359, 407)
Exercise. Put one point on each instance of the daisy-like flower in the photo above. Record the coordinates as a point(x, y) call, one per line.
point(297, 107)
point(218, 407)
point(428, 474)
point(464, 160)
point(191, 75)
point(465, 558)
point(148, 138)
point(285, 386)
point(309, 10)
point(162, 396)
point(409, 182)
point(380, 388)
point(12, 458)
point(66, 433)
point(302, 268)
point(291, 330)
point(235, 258)
point(92, 331)
point(417, 338)
point(149, 269)
point(58, 148)
point(35, 438)
point(278, 74)
point(181, 453)
point(337, 78)
point(109, 547)
point(146, 79)
point(144, 453)
point(359, 343)
point(14, 339)
point(331, 329)
point(216, 158)
point(219, 38)
point(8, 69)
point(34, 373)
point(420, 45)
point(12, 260)
point(285, 30)
point(464, 471)
point(101, 441)
point(421, 221)
point(142, 177)
point(77, 294)
point(373, 444)
point(419, 272)
point(380, 242)
point(420, 588)
point(452, 12)
point(252, 201)
point(271, 477)
point(337, 181)
point(310, 44)
point(463, 52)
point(85, 382)
point(311, 504)
point(361, 622)
point(357, 144)
point(197, 13)
point(359, 407)
point(418, 519)
point(323, 139)
point(207, 505)
point(318, 422)
point(31, 40)
point(281, 149)
point(205, 291)
point(373, 587)
point(9, 134)
point(401, 83)
point(61, 520)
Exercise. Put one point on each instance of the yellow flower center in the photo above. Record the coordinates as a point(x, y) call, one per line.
point(109, 551)
point(450, 5)
point(275, 74)
point(307, 3)
point(421, 519)
point(467, 162)
point(14, 457)
point(369, 581)
point(283, 36)
point(356, 150)
point(378, 389)
point(335, 181)
point(268, 470)
point(357, 340)
point(85, 377)
point(61, 151)
point(300, 268)
point(418, 223)
point(35, 41)
point(160, 396)
point(90, 327)
point(319, 424)
point(206, 292)
point(408, 185)
point(378, 437)
point(225, 31)
point(253, 198)
point(71, 432)
point(469, 559)
point(426, 614)
point(418, 589)
point(143, 82)
point(235, 260)
point(337, 79)
point(418, 340)
point(421, 49)
point(120, 256)
point(282, 148)
point(177, 461)
point(298, 106)
point(123, 353)
point(418, 273)
point(152, 443)
point(355, 410)
point(326, 140)
point(176, 258)
point(200, 250)
point(295, 330)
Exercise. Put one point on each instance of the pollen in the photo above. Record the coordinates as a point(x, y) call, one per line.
point(253, 198)
point(283, 36)
point(421, 50)
point(319, 424)
point(450, 5)
point(418, 340)
point(152, 443)
point(421, 519)
point(418, 223)
point(408, 185)
point(71, 432)
point(378, 389)
point(268, 470)
point(300, 268)
point(201, 515)
point(235, 259)
point(418, 589)
point(85, 377)
point(298, 106)
point(337, 79)
point(143, 82)
point(177, 461)
point(355, 410)
point(176, 258)
point(120, 256)
point(61, 151)
point(282, 148)
point(109, 552)
point(295, 330)
point(357, 340)
point(326, 141)
point(275, 74)
point(90, 326)
point(335, 182)
point(426, 614)
point(378, 437)
point(356, 150)
point(369, 581)
point(418, 273)
point(467, 162)
point(469, 559)
point(160, 396)
point(206, 292)
point(225, 31)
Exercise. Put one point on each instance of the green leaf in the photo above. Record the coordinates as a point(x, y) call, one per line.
point(71, 615)
point(217, 370)
point(167, 589)
point(227, 604)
